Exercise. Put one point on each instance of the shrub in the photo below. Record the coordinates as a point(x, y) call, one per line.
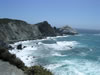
point(37, 70)
point(2, 50)
point(17, 62)
point(11, 58)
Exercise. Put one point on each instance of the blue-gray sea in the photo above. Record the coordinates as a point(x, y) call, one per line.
point(67, 55)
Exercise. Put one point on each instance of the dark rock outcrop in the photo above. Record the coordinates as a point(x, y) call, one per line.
point(19, 46)
point(46, 29)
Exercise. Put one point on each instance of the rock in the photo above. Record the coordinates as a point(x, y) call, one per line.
point(10, 47)
point(19, 46)
point(17, 30)
point(46, 29)
point(67, 30)
point(24, 47)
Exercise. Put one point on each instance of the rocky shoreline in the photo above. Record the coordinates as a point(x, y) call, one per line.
point(12, 30)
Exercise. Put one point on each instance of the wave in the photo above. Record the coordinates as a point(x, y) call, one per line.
point(57, 37)
point(25, 55)
point(38, 50)
point(80, 35)
point(62, 45)
point(97, 34)
point(75, 67)
point(57, 54)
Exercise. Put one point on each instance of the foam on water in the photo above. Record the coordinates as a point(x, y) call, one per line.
point(57, 54)
point(57, 37)
point(34, 50)
point(75, 67)
point(97, 34)
point(25, 55)
point(54, 55)
point(62, 45)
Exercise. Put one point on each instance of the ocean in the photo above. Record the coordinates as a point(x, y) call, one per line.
point(63, 55)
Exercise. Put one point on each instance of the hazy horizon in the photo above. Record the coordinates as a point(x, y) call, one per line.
point(84, 14)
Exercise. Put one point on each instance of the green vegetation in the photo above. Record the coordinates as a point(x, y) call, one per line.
point(6, 20)
point(11, 58)
point(37, 70)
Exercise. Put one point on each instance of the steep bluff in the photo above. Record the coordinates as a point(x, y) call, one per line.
point(46, 29)
point(12, 30)
point(15, 30)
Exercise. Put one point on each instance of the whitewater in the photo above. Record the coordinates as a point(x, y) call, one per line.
point(63, 55)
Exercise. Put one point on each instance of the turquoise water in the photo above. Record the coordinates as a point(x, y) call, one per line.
point(82, 59)
point(68, 55)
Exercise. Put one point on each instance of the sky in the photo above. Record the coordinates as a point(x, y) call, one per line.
point(83, 14)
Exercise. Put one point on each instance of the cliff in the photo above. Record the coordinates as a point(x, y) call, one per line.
point(46, 29)
point(16, 30)
point(12, 30)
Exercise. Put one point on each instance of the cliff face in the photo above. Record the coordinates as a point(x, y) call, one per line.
point(46, 29)
point(16, 30)
point(12, 30)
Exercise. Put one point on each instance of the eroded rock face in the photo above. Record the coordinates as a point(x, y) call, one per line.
point(46, 29)
point(12, 30)
point(17, 30)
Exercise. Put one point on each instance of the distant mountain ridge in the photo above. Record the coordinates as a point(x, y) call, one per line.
point(16, 30)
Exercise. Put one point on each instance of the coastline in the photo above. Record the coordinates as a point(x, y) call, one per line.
point(22, 31)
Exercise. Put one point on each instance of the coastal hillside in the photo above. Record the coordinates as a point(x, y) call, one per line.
point(16, 30)
point(12, 30)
